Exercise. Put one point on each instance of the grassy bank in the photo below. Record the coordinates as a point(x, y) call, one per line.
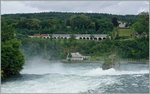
point(125, 32)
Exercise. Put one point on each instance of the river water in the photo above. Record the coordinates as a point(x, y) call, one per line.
point(41, 76)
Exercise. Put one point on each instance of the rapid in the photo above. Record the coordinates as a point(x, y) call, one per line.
point(44, 76)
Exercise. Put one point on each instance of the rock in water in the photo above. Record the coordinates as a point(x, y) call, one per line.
point(106, 66)
point(110, 62)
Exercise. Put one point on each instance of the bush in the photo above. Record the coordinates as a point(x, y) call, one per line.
point(12, 59)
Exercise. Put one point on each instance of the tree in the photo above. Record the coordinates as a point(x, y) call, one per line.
point(115, 22)
point(29, 23)
point(80, 22)
point(103, 26)
point(8, 34)
point(142, 23)
point(12, 59)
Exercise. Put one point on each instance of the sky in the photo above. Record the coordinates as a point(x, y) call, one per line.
point(111, 7)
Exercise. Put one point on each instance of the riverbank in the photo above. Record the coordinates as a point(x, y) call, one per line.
point(121, 61)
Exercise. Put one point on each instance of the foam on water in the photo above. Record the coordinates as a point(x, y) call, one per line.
point(42, 66)
point(68, 78)
point(99, 71)
point(57, 68)
point(55, 83)
point(44, 69)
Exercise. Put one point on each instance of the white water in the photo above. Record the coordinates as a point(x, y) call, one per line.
point(42, 76)
point(99, 71)
point(41, 66)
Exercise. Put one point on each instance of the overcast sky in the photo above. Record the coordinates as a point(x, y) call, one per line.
point(111, 7)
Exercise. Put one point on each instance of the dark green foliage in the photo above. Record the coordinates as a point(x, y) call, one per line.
point(57, 22)
point(103, 26)
point(58, 49)
point(12, 59)
point(8, 34)
point(136, 49)
point(25, 23)
point(80, 22)
point(115, 21)
point(142, 23)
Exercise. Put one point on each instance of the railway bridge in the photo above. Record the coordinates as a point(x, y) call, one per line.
point(76, 36)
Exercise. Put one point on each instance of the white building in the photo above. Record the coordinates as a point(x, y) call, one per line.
point(76, 56)
point(122, 24)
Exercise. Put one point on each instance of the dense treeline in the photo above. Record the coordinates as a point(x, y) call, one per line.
point(57, 22)
point(58, 49)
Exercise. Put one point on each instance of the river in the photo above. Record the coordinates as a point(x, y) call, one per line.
point(43, 76)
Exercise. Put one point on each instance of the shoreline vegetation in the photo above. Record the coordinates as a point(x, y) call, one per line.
point(58, 49)
point(129, 37)
point(122, 61)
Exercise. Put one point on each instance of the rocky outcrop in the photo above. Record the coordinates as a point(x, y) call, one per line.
point(111, 62)
point(106, 66)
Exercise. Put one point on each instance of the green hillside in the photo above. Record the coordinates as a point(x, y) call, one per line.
point(64, 23)
point(125, 32)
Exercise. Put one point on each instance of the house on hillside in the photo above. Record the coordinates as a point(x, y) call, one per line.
point(76, 57)
point(122, 24)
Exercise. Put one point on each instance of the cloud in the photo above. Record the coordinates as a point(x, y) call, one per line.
point(12, 7)
point(112, 7)
point(16, 7)
point(71, 6)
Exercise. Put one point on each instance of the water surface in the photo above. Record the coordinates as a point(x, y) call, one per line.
point(56, 77)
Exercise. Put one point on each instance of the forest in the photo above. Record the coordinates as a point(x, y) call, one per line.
point(64, 23)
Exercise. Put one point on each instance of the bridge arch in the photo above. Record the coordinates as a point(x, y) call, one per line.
point(99, 38)
point(104, 38)
point(80, 38)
